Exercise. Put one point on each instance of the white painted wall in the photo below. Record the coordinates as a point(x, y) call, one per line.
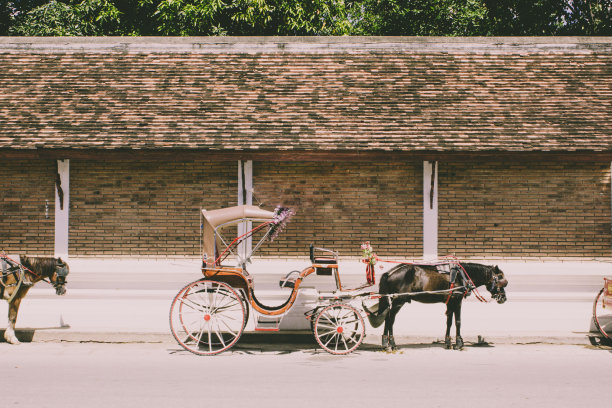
point(245, 196)
point(430, 210)
point(62, 209)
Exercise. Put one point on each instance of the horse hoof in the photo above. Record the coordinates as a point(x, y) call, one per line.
point(447, 343)
point(459, 344)
point(385, 342)
point(390, 350)
point(12, 339)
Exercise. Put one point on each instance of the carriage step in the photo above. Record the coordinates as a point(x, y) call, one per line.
point(271, 329)
point(267, 324)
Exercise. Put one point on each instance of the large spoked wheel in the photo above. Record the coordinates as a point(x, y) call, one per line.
point(207, 317)
point(602, 320)
point(339, 329)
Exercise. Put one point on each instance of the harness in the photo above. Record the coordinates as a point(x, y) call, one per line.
point(460, 282)
point(11, 269)
point(15, 270)
point(458, 277)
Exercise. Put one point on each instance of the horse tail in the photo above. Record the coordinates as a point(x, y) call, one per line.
point(378, 313)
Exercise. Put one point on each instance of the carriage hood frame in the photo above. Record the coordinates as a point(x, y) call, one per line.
point(214, 220)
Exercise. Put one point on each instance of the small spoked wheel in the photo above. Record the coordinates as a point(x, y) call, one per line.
point(602, 320)
point(207, 317)
point(339, 328)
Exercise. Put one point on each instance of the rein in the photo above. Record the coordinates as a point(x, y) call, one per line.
point(12, 270)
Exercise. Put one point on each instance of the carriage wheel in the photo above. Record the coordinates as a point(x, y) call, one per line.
point(207, 317)
point(601, 324)
point(339, 329)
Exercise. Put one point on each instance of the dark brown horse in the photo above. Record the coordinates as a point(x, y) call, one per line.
point(17, 279)
point(428, 284)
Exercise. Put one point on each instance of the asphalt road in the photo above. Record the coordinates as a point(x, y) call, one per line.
point(280, 375)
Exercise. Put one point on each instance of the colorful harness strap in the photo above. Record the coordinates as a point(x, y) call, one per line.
point(10, 268)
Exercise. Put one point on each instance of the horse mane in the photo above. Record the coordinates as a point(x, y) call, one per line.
point(477, 271)
point(44, 266)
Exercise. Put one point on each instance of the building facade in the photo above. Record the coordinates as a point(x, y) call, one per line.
point(479, 148)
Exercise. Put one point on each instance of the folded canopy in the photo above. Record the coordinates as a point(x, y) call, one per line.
point(214, 218)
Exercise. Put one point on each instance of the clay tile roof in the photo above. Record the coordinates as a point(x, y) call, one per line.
point(247, 94)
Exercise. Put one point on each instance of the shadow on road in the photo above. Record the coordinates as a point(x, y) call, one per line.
point(278, 343)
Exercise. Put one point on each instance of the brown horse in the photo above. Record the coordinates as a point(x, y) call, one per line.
point(428, 284)
point(17, 279)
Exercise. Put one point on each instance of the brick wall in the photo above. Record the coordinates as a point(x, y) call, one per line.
point(541, 210)
point(144, 208)
point(525, 210)
point(340, 205)
point(26, 187)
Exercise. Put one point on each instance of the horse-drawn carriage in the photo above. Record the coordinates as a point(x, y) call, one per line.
point(600, 331)
point(209, 315)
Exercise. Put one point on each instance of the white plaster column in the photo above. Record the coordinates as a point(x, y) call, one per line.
point(62, 205)
point(245, 196)
point(430, 210)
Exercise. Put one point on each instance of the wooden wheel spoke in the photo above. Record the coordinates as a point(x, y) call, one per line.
point(328, 333)
point(219, 335)
point(192, 304)
point(331, 338)
point(229, 328)
point(346, 346)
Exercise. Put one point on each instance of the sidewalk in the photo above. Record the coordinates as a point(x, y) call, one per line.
point(549, 303)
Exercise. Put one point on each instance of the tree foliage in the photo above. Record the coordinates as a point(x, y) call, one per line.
point(56, 18)
point(425, 17)
point(550, 17)
point(305, 17)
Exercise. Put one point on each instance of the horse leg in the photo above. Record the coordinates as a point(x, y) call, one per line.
point(386, 331)
point(449, 323)
point(395, 308)
point(458, 340)
point(385, 336)
point(13, 309)
point(384, 303)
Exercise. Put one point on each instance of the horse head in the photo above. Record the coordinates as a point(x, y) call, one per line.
point(53, 269)
point(58, 279)
point(496, 285)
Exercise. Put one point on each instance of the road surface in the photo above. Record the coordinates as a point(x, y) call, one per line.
point(155, 375)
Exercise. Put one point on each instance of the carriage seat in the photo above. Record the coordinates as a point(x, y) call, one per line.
point(289, 280)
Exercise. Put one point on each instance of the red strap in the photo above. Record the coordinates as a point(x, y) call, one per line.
point(450, 293)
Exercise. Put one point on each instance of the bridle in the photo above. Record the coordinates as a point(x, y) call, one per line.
point(497, 292)
point(61, 272)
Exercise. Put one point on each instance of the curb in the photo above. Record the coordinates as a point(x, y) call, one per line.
point(279, 339)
